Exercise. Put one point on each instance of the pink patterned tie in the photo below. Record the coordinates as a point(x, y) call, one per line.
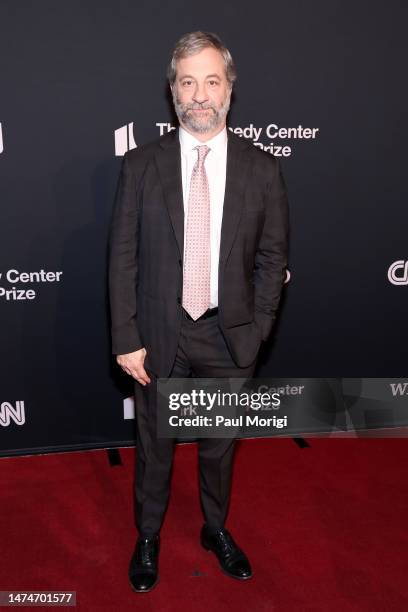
point(196, 277)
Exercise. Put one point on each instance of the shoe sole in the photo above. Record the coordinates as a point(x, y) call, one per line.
point(144, 590)
point(222, 569)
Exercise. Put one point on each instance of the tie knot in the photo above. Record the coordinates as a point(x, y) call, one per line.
point(202, 153)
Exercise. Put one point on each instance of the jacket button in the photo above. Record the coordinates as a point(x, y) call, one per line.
point(179, 300)
point(180, 262)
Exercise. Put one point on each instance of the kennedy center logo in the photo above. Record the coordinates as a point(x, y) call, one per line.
point(124, 139)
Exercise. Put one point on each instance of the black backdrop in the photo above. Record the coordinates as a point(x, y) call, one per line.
point(74, 74)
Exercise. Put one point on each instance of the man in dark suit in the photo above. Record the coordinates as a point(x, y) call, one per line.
point(198, 253)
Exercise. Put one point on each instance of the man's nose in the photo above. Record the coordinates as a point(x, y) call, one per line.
point(200, 94)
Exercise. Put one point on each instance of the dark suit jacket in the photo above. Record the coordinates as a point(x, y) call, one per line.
point(146, 251)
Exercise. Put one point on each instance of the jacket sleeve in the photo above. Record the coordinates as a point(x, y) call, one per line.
point(123, 264)
point(272, 253)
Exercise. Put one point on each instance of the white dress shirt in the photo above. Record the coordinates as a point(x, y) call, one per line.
point(215, 166)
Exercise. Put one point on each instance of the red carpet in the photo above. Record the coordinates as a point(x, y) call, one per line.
point(324, 528)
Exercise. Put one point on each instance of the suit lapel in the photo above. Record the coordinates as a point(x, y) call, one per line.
point(168, 161)
point(237, 168)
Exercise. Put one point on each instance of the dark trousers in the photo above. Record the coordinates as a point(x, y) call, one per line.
point(202, 353)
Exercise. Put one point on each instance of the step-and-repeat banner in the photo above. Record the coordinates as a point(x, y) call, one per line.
point(320, 86)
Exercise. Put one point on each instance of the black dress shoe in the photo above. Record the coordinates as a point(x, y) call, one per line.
point(144, 564)
point(233, 560)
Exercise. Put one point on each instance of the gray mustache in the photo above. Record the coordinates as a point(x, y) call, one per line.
point(200, 108)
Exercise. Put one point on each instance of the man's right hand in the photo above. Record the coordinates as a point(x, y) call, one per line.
point(132, 364)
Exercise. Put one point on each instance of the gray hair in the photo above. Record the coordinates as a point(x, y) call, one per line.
point(193, 43)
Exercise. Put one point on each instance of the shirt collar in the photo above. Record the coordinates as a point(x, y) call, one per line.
point(188, 142)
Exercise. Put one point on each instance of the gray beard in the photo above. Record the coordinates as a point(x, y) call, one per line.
point(215, 119)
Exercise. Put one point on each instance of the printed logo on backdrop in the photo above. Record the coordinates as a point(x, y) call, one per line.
point(398, 272)
point(272, 132)
point(1, 140)
point(129, 408)
point(18, 286)
point(277, 136)
point(124, 139)
point(9, 413)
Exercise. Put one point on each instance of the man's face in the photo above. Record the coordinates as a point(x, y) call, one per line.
point(201, 92)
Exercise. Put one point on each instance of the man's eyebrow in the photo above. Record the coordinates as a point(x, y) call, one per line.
point(190, 76)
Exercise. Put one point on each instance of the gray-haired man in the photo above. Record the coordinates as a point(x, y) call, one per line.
point(198, 251)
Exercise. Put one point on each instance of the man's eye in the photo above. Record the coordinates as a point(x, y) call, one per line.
point(186, 83)
point(212, 83)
